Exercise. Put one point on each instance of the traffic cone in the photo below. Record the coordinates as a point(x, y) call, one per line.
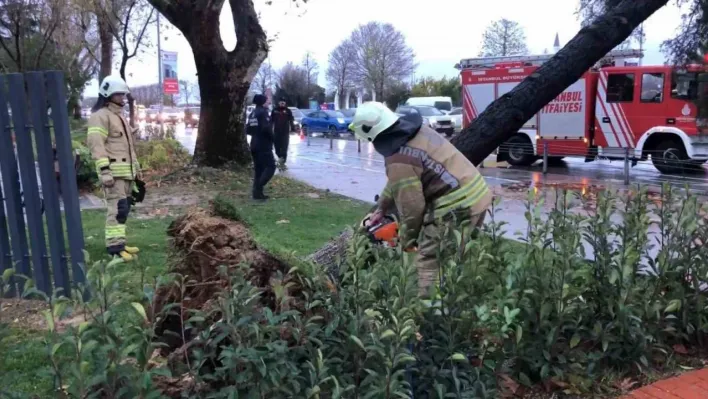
point(302, 134)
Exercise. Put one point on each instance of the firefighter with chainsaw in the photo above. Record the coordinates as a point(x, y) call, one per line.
point(429, 182)
point(110, 139)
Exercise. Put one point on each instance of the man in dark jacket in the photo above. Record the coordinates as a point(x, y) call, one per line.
point(261, 132)
point(282, 119)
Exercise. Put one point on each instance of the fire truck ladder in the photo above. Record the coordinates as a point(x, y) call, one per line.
point(535, 60)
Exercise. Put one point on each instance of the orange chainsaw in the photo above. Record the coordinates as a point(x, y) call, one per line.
point(384, 232)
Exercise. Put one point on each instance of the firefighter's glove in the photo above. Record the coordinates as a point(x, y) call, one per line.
point(107, 178)
point(138, 194)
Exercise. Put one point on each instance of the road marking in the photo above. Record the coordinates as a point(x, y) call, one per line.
point(500, 179)
point(339, 164)
point(351, 156)
point(347, 156)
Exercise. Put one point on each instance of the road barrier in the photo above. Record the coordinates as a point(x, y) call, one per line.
point(687, 170)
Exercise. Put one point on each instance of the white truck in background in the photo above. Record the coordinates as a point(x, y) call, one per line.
point(443, 104)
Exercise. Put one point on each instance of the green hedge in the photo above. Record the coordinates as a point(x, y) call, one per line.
point(545, 314)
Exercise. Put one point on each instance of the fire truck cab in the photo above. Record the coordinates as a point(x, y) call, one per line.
point(615, 110)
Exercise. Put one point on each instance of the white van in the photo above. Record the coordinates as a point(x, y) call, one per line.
point(444, 104)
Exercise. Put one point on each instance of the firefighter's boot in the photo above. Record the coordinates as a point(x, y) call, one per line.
point(125, 256)
point(132, 250)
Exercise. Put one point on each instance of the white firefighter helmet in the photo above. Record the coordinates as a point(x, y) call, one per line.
point(111, 85)
point(371, 119)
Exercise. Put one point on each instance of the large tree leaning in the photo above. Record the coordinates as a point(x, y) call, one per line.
point(504, 117)
point(224, 76)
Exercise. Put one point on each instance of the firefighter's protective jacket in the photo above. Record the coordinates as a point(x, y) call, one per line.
point(427, 177)
point(111, 143)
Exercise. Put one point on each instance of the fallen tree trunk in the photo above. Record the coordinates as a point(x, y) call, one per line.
point(504, 117)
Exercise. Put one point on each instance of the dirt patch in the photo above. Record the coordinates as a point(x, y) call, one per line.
point(23, 313)
point(27, 314)
point(204, 243)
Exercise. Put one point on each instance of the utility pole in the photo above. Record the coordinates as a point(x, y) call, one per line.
point(159, 74)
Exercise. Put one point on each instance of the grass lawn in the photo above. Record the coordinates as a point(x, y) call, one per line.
point(298, 219)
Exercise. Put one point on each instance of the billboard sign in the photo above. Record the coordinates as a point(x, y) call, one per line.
point(170, 82)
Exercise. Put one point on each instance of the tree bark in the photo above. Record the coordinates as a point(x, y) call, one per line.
point(221, 138)
point(106, 39)
point(504, 117)
point(224, 76)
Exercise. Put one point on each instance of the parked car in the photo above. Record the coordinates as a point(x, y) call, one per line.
point(297, 115)
point(349, 112)
point(191, 116)
point(432, 117)
point(152, 116)
point(173, 115)
point(456, 116)
point(330, 123)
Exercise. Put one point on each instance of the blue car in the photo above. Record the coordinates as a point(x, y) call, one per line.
point(329, 123)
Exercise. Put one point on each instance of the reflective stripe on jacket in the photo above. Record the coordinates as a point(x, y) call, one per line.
point(428, 174)
point(111, 143)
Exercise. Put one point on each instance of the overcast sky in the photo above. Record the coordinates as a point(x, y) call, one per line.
point(440, 32)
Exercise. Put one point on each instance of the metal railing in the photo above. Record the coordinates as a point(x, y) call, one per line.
point(683, 170)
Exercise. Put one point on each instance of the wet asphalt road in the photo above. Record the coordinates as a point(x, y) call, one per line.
point(345, 166)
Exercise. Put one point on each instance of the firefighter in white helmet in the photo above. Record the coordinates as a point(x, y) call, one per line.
point(110, 139)
point(429, 181)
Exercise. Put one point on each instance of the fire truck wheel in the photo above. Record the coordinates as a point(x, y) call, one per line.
point(519, 151)
point(669, 157)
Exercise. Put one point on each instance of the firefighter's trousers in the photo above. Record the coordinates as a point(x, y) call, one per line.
point(426, 259)
point(117, 211)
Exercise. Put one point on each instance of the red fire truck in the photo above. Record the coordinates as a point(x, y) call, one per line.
point(651, 112)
